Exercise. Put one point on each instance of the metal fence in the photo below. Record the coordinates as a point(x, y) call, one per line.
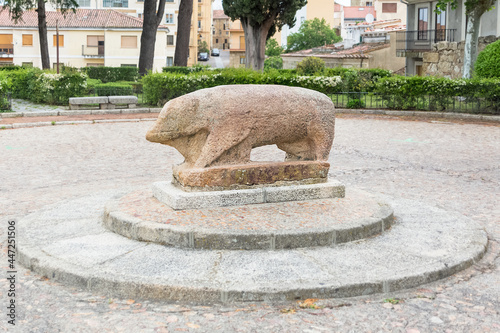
point(422, 40)
point(364, 100)
point(5, 102)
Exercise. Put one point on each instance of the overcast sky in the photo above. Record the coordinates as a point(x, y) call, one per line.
point(217, 4)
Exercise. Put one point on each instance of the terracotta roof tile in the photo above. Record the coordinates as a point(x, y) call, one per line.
point(219, 14)
point(82, 18)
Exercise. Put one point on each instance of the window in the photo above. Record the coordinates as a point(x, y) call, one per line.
point(170, 61)
point(170, 39)
point(54, 65)
point(140, 15)
point(129, 42)
point(302, 19)
point(243, 60)
point(199, 24)
point(168, 1)
point(128, 65)
point(115, 3)
point(389, 8)
point(61, 40)
point(369, 4)
point(440, 27)
point(27, 40)
point(169, 18)
point(423, 23)
point(216, 40)
point(223, 27)
point(27, 64)
point(225, 40)
point(83, 3)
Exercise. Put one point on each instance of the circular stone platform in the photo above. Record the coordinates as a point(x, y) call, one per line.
point(270, 226)
point(67, 242)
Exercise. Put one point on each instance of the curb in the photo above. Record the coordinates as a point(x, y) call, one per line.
point(77, 112)
point(72, 122)
point(430, 114)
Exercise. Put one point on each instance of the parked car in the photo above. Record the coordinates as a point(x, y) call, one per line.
point(203, 56)
point(215, 52)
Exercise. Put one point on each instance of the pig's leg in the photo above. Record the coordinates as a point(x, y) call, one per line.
point(219, 143)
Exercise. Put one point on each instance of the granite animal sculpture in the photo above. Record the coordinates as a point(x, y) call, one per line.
point(220, 125)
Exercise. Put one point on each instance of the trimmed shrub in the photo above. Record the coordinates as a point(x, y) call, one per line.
point(488, 61)
point(112, 74)
point(158, 88)
point(54, 88)
point(356, 79)
point(275, 62)
point(310, 66)
point(114, 89)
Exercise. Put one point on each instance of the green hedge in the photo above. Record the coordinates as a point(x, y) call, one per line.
point(114, 89)
point(488, 61)
point(43, 86)
point(358, 80)
point(403, 92)
point(112, 74)
point(161, 87)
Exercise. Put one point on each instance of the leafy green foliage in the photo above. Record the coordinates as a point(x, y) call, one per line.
point(355, 104)
point(112, 74)
point(273, 49)
point(402, 92)
point(43, 86)
point(255, 13)
point(202, 47)
point(356, 79)
point(275, 62)
point(114, 89)
point(310, 66)
point(312, 33)
point(158, 88)
point(488, 61)
point(17, 7)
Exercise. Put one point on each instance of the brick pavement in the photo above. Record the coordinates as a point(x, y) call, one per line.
point(450, 164)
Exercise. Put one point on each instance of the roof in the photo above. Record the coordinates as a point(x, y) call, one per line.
point(358, 12)
point(330, 51)
point(219, 14)
point(81, 18)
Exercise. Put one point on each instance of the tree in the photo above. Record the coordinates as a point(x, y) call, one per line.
point(202, 46)
point(183, 29)
point(153, 14)
point(16, 9)
point(273, 49)
point(260, 20)
point(488, 62)
point(312, 33)
point(474, 9)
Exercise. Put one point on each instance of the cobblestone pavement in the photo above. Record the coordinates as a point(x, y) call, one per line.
point(449, 164)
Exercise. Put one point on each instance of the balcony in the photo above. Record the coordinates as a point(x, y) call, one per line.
point(93, 51)
point(6, 50)
point(414, 43)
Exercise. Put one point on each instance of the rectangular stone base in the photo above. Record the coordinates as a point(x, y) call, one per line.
point(178, 199)
point(229, 177)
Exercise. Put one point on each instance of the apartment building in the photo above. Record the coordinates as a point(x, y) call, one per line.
point(433, 43)
point(88, 37)
point(124, 16)
point(221, 30)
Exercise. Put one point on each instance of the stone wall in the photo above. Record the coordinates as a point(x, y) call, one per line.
point(447, 58)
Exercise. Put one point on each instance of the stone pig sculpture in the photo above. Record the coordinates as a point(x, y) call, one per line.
point(221, 125)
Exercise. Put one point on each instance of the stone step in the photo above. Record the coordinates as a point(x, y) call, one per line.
point(267, 226)
point(67, 242)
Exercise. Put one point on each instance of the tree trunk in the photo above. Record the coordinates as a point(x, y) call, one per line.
point(255, 43)
point(42, 33)
point(152, 19)
point(183, 31)
point(470, 48)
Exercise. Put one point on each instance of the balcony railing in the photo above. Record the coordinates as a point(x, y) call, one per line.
point(93, 51)
point(6, 50)
point(422, 40)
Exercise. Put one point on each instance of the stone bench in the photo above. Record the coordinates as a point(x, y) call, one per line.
point(105, 102)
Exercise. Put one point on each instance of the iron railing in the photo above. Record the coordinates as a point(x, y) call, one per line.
point(422, 40)
point(365, 100)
